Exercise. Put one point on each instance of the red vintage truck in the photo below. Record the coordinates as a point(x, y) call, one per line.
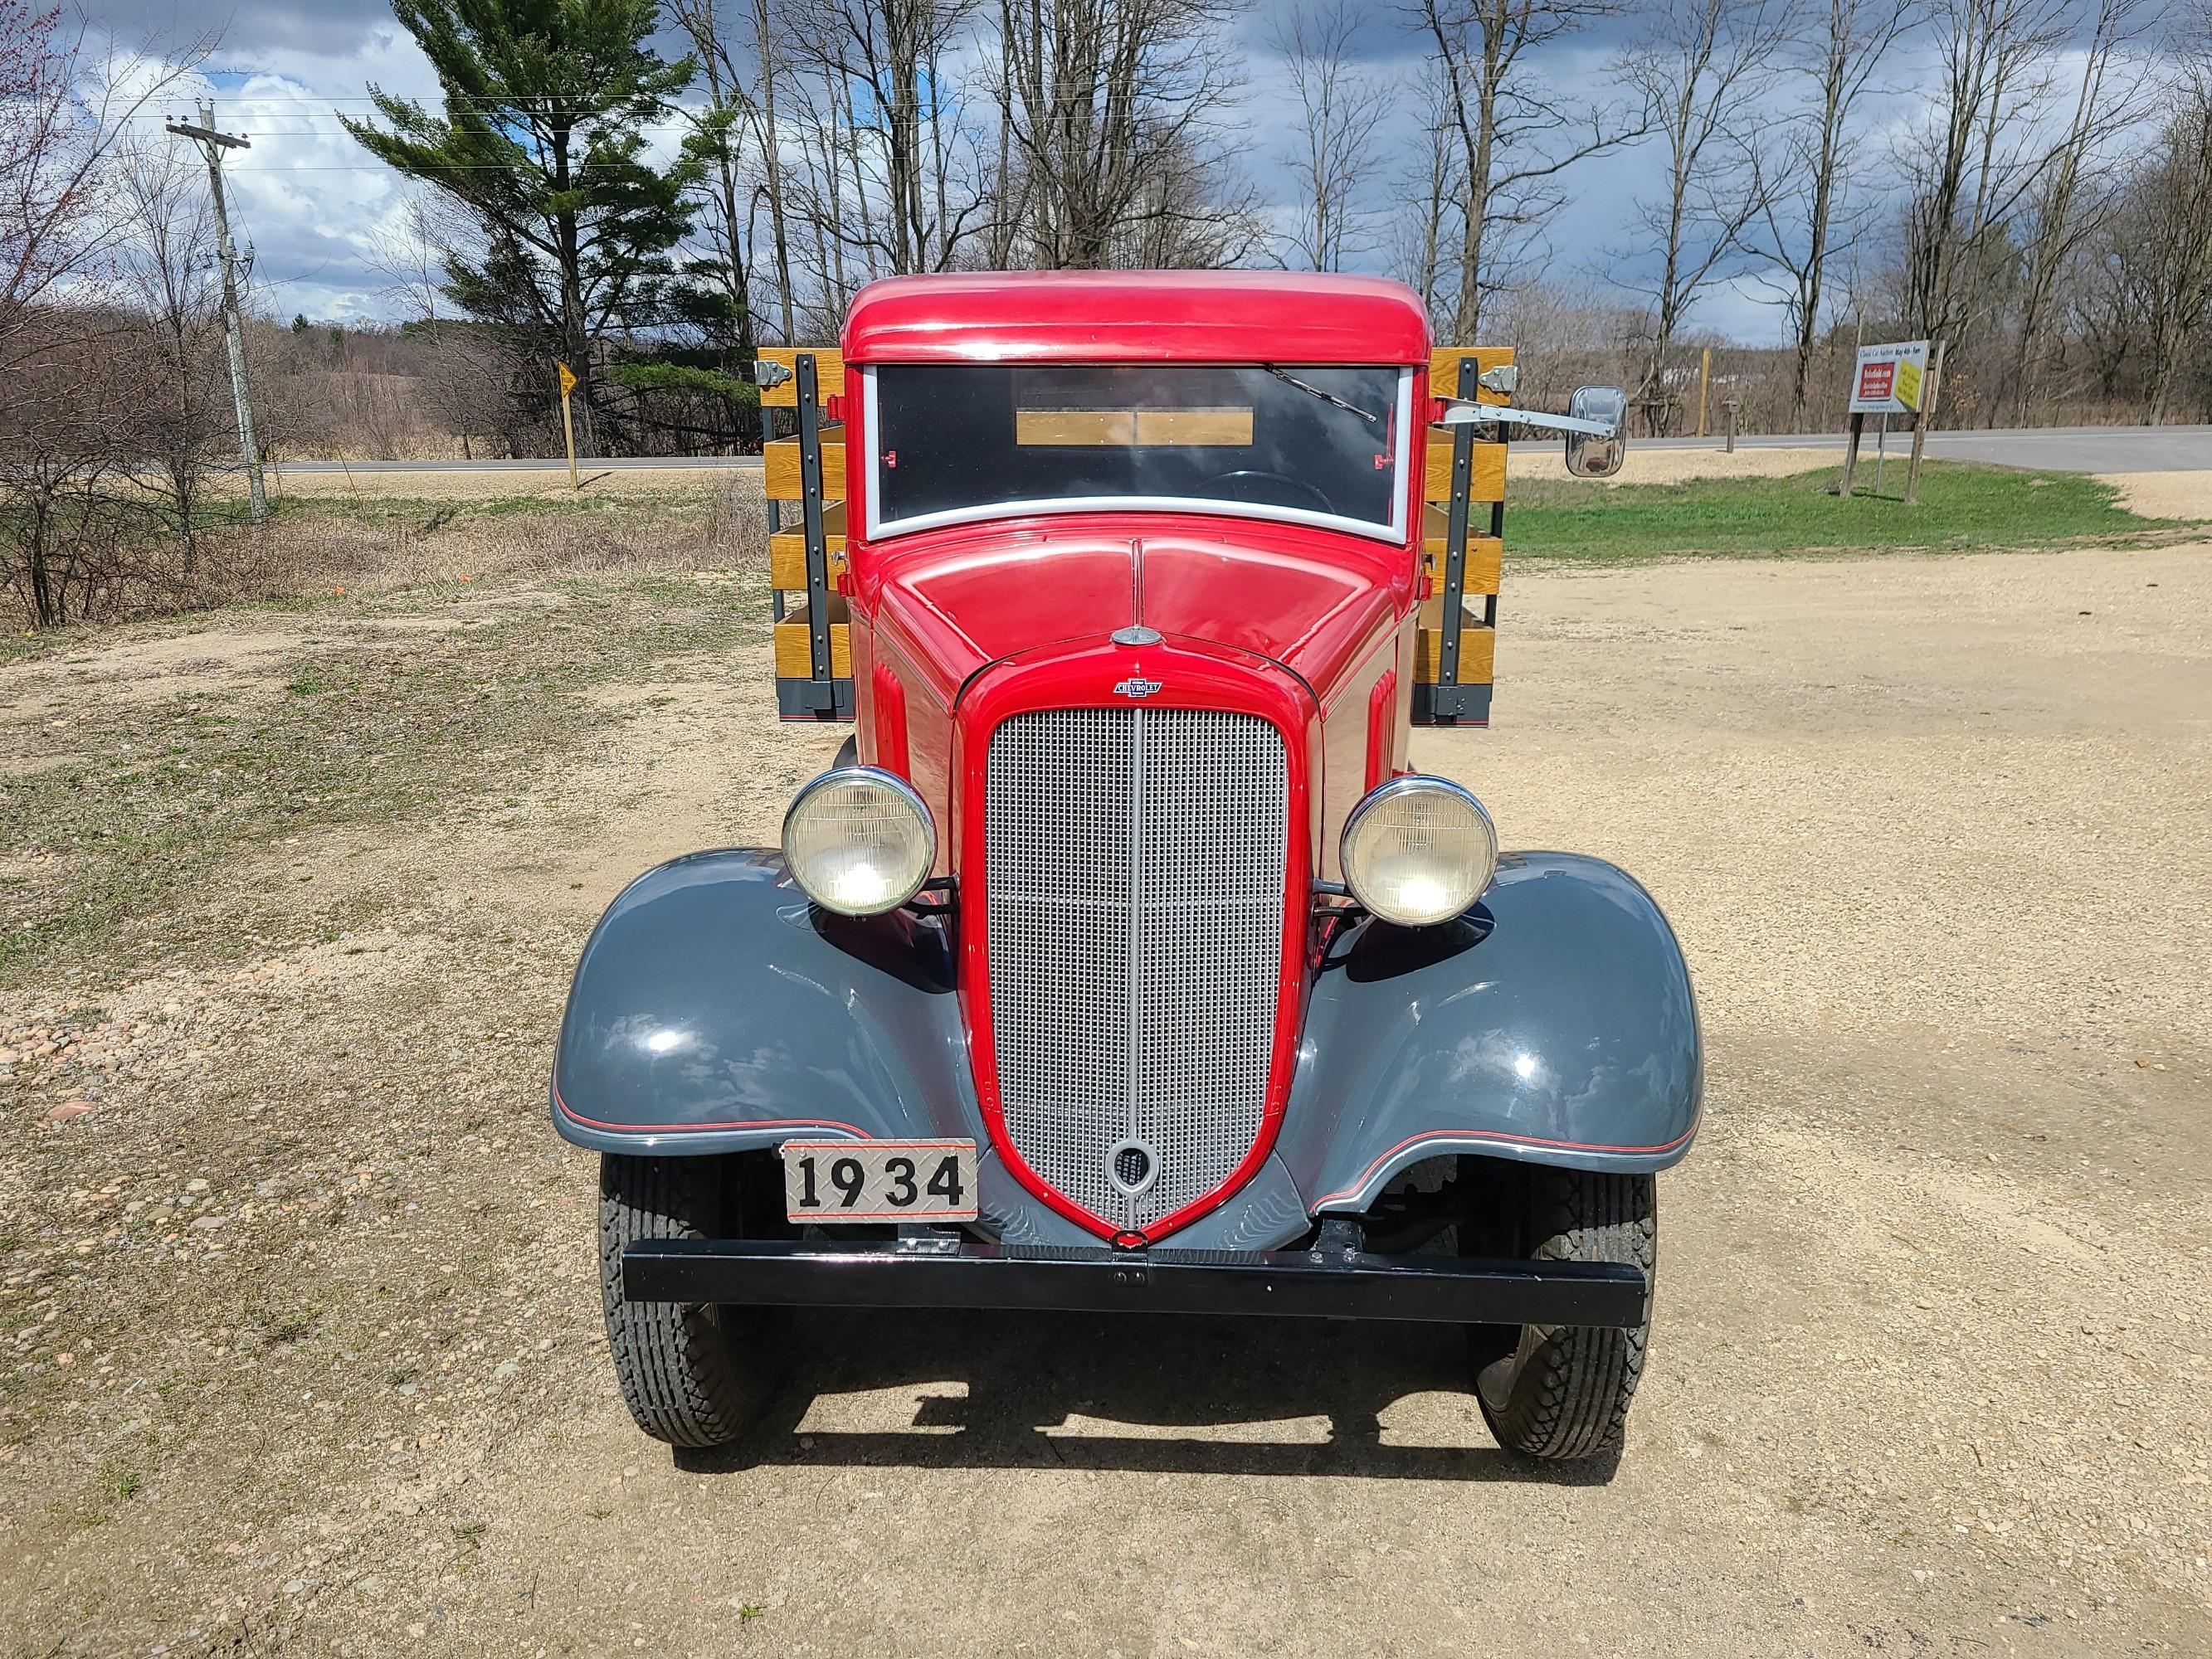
point(1121, 961)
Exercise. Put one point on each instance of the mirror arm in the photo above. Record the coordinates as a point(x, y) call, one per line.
point(1458, 411)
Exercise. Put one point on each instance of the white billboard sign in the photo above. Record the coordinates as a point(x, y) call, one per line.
point(1888, 378)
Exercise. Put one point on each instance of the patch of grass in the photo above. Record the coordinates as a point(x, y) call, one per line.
point(380, 733)
point(286, 1326)
point(1963, 508)
point(118, 1482)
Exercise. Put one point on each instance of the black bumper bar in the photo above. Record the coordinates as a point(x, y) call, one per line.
point(1298, 1283)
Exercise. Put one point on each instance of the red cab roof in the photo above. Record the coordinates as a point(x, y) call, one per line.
point(1137, 317)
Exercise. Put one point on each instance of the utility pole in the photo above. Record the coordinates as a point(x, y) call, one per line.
point(212, 144)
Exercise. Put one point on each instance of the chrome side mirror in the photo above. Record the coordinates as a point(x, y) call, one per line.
point(1589, 454)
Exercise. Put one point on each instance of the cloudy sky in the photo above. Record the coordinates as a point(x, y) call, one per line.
point(311, 202)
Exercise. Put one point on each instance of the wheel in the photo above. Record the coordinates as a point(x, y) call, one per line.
point(1562, 1391)
point(692, 1374)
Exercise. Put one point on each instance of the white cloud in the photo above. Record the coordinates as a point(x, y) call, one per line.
point(311, 201)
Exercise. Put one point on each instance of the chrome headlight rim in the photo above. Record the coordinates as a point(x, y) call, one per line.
point(1393, 789)
point(899, 789)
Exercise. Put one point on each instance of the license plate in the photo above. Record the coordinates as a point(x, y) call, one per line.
point(827, 1180)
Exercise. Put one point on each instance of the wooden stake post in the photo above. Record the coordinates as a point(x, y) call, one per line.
point(568, 426)
point(1851, 456)
point(1921, 417)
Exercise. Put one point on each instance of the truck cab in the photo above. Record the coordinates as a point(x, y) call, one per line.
point(1124, 961)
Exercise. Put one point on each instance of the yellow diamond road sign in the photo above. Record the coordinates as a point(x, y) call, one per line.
point(567, 379)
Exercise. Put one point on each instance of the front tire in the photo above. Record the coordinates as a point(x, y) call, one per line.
point(692, 1374)
point(1562, 1391)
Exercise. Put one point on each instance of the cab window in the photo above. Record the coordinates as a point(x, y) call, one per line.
point(1316, 443)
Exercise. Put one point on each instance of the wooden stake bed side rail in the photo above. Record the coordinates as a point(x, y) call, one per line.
point(1463, 528)
point(829, 374)
point(794, 649)
point(1486, 483)
point(813, 638)
point(787, 551)
point(781, 463)
point(1485, 555)
point(1443, 371)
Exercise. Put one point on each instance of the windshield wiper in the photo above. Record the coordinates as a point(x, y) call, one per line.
point(1289, 379)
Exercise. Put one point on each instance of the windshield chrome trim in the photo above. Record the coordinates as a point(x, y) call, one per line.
point(1394, 530)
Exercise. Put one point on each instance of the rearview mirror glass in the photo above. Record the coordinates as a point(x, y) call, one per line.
point(1590, 456)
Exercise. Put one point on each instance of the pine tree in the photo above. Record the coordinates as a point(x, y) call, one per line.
point(542, 140)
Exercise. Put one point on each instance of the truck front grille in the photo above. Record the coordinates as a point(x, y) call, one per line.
point(1133, 902)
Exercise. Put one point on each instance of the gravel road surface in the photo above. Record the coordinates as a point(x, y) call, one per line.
point(301, 1349)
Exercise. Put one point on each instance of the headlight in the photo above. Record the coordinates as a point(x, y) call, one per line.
point(859, 841)
point(1418, 850)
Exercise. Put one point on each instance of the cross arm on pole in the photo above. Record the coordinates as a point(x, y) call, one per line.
point(209, 136)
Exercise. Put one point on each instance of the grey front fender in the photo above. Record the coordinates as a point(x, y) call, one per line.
point(1554, 1022)
point(715, 1011)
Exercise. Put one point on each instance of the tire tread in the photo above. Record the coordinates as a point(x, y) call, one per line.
point(1572, 1385)
point(692, 1375)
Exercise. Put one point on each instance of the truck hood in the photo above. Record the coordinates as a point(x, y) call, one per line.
point(1315, 602)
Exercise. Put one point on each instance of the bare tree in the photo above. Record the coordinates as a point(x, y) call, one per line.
point(717, 295)
point(77, 532)
point(2109, 100)
point(166, 263)
point(1115, 110)
point(1971, 165)
point(1418, 227)
point(1702, 73)
point(2175, 183)
point(1809, 212)
point(62, 114)
point(1335, 157)
point(1517, 129)
point(767, 58)
point(892, 50)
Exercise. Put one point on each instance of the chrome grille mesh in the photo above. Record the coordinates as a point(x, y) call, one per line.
point(1135, 906)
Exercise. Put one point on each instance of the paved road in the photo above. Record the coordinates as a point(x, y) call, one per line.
point(639, 463)
point(2068, 449)
point(2062, 449)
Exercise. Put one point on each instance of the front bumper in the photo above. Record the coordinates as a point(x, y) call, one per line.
point(944, 1272)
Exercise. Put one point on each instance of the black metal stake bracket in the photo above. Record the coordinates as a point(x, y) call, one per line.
point(817, 556)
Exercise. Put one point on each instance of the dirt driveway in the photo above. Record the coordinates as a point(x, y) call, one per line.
point(299, 1347)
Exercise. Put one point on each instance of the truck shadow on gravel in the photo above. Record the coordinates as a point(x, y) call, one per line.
point(1157, 1393)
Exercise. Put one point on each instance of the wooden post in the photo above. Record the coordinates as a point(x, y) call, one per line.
point(1921, 416)
point(1851, 456)
point(1728, 410)
point(569, 426)
point(1704, 375)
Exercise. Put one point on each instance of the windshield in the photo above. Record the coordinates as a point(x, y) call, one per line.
point(1322, 444)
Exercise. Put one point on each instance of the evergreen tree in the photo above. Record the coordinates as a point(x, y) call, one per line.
point(542, 140)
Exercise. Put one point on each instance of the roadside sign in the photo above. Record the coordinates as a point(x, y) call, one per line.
point(1886, 380)
point(567, 379)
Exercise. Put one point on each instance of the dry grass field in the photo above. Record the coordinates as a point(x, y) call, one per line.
point(299, 1347)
